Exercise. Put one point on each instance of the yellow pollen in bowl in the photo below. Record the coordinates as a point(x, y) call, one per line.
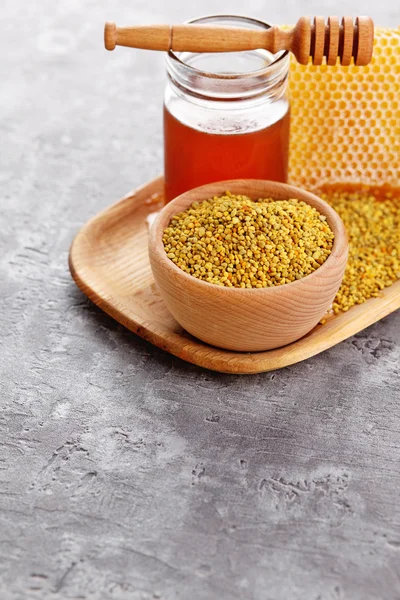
point(234, 241)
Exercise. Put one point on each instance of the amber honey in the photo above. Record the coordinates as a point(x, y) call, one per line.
point(194, 157)
point(226, 114)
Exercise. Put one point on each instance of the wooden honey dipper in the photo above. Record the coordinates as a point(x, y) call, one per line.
point(344, 40)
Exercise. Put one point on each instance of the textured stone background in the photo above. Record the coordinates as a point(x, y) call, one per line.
point(125, 473)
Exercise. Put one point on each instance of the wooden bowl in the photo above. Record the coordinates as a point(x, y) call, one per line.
point(255, 319)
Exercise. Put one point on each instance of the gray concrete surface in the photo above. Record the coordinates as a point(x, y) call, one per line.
point(126, 474)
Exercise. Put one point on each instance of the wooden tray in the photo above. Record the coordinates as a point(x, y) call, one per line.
point(109, 263)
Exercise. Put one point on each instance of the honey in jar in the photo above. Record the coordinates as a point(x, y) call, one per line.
point(226, 115)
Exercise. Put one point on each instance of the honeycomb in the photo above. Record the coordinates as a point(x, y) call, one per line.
point(345, 127)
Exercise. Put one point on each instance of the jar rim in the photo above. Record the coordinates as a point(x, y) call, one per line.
point(228, 76)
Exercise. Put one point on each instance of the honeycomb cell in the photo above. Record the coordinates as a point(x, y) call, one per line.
point(346, 120)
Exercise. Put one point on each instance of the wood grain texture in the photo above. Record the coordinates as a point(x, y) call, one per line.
point(109, 262)
point(304, 40)
point(206, 38)
point(301, 40)
point(247, 320)
point(333, 47)
point(364, 45)
point(318, 45)
point(156, 37)
point(346, 41)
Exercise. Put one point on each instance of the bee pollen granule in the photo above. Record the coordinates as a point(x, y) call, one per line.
point(234, 241)
point(373, 227)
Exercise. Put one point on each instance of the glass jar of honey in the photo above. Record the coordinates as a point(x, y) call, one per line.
point(226, 115)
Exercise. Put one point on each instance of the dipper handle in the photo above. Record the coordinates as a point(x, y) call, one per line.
point(345, 40)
